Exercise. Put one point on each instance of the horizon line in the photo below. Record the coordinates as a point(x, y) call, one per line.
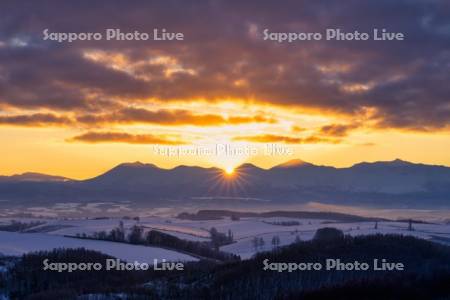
point(301, 162)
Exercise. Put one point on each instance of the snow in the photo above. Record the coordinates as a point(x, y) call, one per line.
point(287, 234)
point(13, 243)
point(244, 230)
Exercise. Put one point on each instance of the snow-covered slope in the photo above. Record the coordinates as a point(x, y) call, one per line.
point(52, 234)
point(13, 243)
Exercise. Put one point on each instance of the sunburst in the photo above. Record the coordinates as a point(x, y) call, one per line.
point(229, 181)
point(229, 171)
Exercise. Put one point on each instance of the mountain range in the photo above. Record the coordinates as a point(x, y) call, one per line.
point(379, 183)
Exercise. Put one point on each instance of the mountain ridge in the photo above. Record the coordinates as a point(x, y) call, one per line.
point(373, 183)
point(290, 164)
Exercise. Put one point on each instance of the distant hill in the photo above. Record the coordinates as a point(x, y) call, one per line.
point(294, 163)
point(386, 183)
point(31, 176)
point(220, 214)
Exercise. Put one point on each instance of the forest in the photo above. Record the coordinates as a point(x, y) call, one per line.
point(427, 270)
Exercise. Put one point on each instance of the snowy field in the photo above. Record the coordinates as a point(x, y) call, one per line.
point(52, 234)
point(13, 243)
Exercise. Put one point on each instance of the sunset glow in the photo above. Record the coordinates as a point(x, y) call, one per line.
point(198, 149)
point(90, 106)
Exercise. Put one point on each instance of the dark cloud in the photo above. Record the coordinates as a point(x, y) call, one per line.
point(122, 137)
point(404, 82)
point(36, 120)
point(129, 115)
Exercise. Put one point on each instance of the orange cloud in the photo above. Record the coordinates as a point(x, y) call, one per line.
point(272, 138)
point(132, 116)
point(169, 117)
point(296, 129)
point(122, 137)
point(338, 130)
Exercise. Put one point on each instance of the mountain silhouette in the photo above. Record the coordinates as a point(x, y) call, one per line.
point(375, 183)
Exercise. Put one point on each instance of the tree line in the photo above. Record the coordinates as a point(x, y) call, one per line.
point(137, 235)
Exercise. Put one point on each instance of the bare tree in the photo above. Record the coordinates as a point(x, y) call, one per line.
point(275, 241)
point(261, 242)
point(410, 227)
point(255, 243)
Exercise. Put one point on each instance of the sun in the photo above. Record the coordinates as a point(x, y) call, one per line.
point(229, 170)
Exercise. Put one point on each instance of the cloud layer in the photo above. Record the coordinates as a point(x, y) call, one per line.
point(122, 137)
point(403, 84)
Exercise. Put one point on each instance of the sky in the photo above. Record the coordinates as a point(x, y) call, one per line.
point(77, 109)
